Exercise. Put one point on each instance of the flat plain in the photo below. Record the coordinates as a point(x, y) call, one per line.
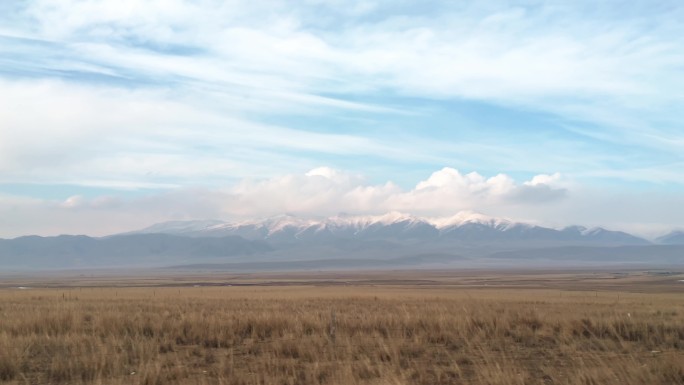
point(401, 327)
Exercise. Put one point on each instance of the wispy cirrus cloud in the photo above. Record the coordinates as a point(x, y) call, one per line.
point(526, 53)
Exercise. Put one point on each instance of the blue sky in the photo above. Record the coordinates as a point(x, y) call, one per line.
point(116, 114)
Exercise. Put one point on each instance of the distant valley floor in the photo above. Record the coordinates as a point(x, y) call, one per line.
point(599, 279)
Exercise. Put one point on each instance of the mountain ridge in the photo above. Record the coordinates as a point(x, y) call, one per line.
point(135, 249)
point(675, 237)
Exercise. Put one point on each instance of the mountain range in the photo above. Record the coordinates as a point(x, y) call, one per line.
point(392, 240)
point(464, 227)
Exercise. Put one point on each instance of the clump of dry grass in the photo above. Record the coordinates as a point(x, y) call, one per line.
point(235, 335)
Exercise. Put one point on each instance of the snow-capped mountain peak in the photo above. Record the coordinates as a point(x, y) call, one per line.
point(181, 227)
point(272, 225)
point(281, 222)
point(464, 217)
point(389, 218)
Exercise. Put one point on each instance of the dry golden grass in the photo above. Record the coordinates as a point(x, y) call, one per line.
point(339, 335)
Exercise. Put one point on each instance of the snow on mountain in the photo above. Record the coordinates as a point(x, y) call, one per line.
point(181, 227)
point(466, 226)
point(278, 224)
point(471, 217)
point(273, 227)
point(361, 221)
point(370, 223)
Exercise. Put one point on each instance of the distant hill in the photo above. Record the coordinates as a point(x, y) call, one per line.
point(67, 251)
point(673, 238)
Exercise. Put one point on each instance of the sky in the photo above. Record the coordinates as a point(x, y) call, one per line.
point(117, 114)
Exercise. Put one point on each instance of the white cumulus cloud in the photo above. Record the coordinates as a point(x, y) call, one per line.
point(327, 191)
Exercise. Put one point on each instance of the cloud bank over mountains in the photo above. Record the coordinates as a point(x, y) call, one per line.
point(320, 192)
point(325, 191)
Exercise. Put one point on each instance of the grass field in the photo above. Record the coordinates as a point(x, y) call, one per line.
point(369, 329)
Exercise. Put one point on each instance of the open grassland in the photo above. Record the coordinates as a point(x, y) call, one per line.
point(314, 333)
